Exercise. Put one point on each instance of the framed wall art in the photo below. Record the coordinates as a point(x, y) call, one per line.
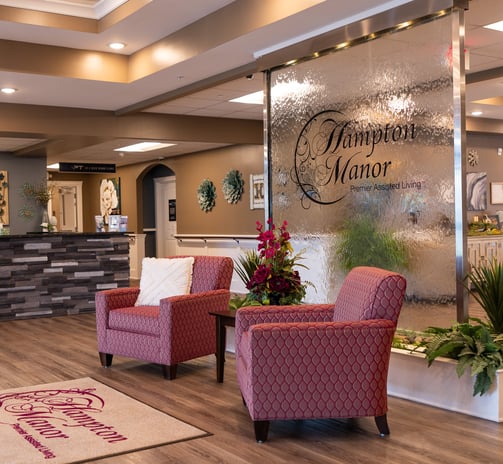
point(110, 203)
point(257, 194)
point(497, 193)
point(4, 199)
point(476, 190)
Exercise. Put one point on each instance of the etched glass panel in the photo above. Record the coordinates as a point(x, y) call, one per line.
point(362, 141)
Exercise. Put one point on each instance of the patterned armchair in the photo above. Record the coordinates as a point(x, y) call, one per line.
point(178, 330)
point(317, 361)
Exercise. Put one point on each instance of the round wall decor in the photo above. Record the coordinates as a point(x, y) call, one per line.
point(473, 158)
point(206, 194)
point(233, 186)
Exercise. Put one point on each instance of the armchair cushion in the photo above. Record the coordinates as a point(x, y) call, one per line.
point(163, 278)
point(138, 319)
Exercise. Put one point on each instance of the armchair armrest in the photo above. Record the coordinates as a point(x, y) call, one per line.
point(116, 298)
point(251, 315)
point(186, 319)
point(334, 356)
point(108, 300)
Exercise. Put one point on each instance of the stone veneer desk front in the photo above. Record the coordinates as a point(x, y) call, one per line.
point(55, 274)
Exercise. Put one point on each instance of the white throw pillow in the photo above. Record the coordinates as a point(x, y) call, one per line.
point(164, 277)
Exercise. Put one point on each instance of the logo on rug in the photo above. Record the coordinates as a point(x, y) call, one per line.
point(80, 420)
point(41, 416)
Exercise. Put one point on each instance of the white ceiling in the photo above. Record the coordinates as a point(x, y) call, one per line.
point(160, 18)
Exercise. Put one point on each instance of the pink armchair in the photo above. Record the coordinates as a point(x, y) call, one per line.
point(316, 361)
point(178, 330)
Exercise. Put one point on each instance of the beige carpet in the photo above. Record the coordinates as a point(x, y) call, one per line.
point(78, 420)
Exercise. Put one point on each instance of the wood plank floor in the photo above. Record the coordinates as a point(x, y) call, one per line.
point(52, 349)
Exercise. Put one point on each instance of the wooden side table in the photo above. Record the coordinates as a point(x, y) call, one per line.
point(223, 319)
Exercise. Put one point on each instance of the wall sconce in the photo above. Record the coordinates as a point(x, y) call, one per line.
point(500, 151)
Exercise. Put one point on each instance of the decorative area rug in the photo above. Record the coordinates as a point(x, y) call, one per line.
point(79, 420)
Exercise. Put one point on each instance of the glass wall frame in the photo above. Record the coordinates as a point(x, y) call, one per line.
point(358, 106)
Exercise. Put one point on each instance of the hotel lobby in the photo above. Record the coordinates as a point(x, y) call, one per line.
point(76, 107)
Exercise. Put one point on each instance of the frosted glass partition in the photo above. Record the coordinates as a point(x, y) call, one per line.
point(367, 132)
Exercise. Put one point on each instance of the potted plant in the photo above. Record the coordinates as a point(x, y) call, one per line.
point(361, 243)
point(476, 345)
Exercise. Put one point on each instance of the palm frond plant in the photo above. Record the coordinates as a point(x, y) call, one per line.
point(485, 284)
point(246, 265)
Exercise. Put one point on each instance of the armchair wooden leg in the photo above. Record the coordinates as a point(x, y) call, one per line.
point(106, 359)
point(169, 372)
point(382, 425)
point(261, 430)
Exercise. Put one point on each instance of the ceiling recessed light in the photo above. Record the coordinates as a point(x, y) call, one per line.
point(255, 98)
point(498, 26)
point(117, 45)
point(144, 146)
point(476, 113)
point(8, 90)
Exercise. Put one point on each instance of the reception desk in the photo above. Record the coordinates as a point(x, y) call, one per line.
point(55, 274)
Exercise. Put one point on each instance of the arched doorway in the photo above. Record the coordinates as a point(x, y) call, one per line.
point(147, 204)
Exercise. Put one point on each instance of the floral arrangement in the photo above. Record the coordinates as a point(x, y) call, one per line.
point(274, 280)
point(41, 194)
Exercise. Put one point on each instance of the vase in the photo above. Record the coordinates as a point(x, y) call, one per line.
point(45, 219)
point(274, 299)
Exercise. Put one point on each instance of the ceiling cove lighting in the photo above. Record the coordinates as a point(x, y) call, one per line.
point(8, 90)
point(144, 146)
point(117, 45)
point(498, 26)
point(255, 98)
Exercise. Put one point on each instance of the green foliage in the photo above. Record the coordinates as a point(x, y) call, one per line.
point(485, 284)
point(237, 302)
point(410, 340)
point(362, 244)
point(474, 346)
point(246, 265)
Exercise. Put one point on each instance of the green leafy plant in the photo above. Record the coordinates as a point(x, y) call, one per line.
point(485, 284)
point(474, 346)
point(410, 340)
point(362, 244)
point(246, 265)
point(238, 301)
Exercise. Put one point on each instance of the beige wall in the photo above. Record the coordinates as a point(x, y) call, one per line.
point(224, 218)
point(190, 170)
